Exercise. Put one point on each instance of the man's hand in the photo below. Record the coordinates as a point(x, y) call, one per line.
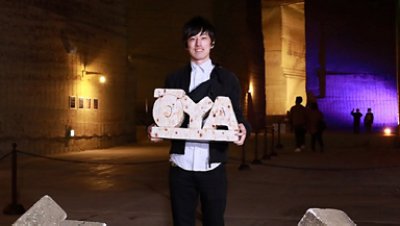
point(153, 139)
point(242, 134)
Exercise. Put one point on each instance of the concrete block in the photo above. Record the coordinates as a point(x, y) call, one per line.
point(43, 212)
point(47, 212)
point(325, 217)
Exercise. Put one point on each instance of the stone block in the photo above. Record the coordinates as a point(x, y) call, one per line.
point(43, 212)
point(325, 217)
point(47, 212)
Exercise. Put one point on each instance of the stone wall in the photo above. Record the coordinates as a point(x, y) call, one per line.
point(349, 63)
point(45, 46)
point(285, 75)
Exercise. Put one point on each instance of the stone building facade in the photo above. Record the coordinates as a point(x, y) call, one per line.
point(52, 54)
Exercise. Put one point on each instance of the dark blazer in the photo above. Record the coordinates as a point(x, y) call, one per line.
point(221, 83)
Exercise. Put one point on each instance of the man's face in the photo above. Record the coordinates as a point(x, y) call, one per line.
point(199, 47)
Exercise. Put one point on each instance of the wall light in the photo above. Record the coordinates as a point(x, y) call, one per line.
point(251, 88)
point(102, 77)
point(71, 133)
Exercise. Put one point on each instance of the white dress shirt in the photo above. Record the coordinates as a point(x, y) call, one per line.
point(196, 157)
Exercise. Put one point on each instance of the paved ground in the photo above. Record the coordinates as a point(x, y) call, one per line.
point(127, 185)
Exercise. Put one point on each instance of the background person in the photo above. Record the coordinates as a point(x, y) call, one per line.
point(368, 120)
point(356, 120)
point(297, 120)
point(316, 126)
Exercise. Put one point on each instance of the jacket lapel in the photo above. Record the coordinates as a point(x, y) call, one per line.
point(186, 78)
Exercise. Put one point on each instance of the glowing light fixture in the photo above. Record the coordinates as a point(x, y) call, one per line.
point(387, 131)
point(102, 77)
point(71, 133)
point(251, 88)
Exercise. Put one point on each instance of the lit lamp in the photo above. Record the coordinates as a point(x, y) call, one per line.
point(387, 131)
point(71, 133)
point(102, 78)
point(250, 106)
point(250, 88)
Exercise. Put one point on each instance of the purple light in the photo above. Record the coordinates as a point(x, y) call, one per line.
point(349, 63)
point(351, 91)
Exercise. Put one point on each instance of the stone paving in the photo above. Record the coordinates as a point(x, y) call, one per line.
point(127, 185)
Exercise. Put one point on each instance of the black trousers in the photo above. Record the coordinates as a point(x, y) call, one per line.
point(300, 135)
point(187, 187)
point(317, 138)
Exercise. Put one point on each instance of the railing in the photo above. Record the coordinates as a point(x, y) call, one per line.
point(14, 207)
point(268, 147)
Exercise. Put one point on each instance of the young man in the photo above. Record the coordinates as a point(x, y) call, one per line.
point(197, 168)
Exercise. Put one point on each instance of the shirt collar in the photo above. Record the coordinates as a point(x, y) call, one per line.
point(207, 66)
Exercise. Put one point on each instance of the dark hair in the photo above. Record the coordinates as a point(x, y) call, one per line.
point(299, 99)
point(196, 25)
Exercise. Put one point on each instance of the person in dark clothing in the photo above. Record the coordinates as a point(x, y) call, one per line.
point(368, 120)
point(198, 168)
point(356, 120)
point(316, 126)
point(298, 120)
